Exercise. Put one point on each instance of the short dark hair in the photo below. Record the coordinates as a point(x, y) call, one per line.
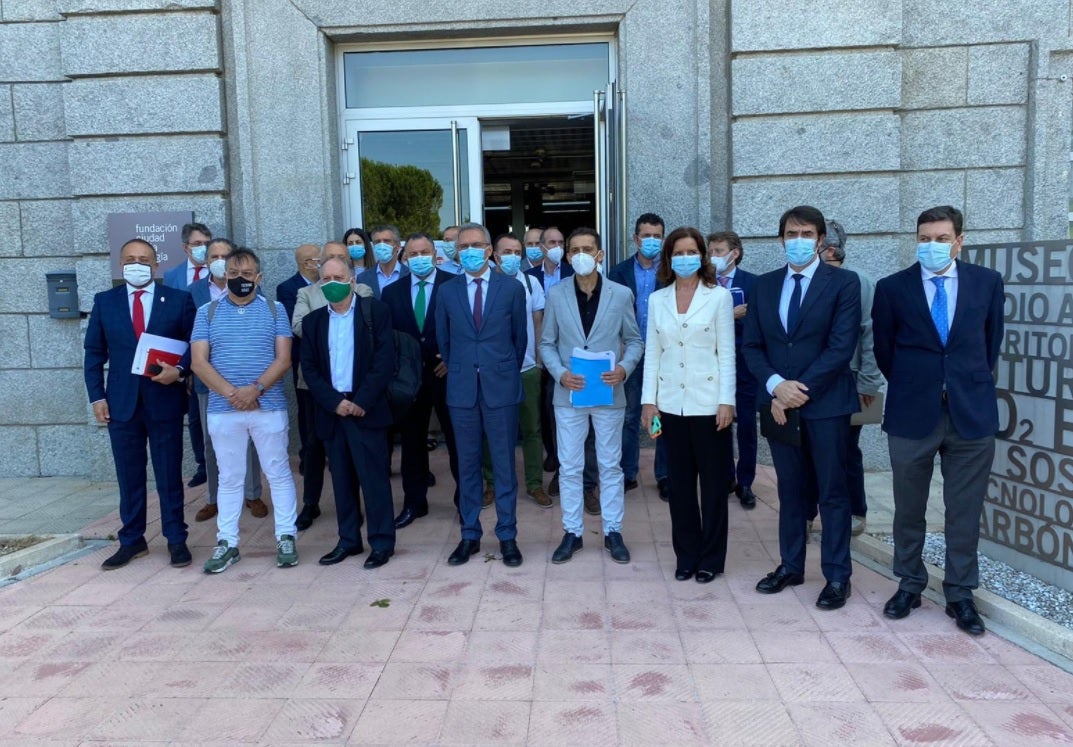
point(242, 253)
point(651, 219)
point(583, 231)
point(421, 235)
point(805, 215)
point(507, 235)
point(665, 274)
point(943, 212)
point(731, 239)
point(189, 228)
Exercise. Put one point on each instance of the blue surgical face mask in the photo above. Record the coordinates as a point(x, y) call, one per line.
point(449, 250)
point(510, 263)
point(800, 251)
point(383, 252)
point(534, 254)
point(934, 256)
point(685, 265)
point(650, 247)
point(472, 259)
point(198, 253)
point(421, 265)
point(357, 251)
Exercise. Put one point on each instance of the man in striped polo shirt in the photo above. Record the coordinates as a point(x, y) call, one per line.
point(241, 349)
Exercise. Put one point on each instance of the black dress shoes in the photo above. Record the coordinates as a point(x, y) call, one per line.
point(512, 556)
point(378, 558)
point(613, 544)
point(966, 616)
point(746, 497)
point(407, 517)
point(571, 544)
point(834, 595)
point(124, 555)
point(901, 604)
point(664, 487)
point(180, 555)
point(683, 575)
point(629, 485)
point(778, 580)
point(705, 577)
point(199, 478)
point(306, 517)
point(339, 554)
point(463, 551)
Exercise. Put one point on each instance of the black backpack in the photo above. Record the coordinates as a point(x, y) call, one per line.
point(402, 391)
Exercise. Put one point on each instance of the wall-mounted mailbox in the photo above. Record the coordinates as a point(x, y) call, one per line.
point(62, 295)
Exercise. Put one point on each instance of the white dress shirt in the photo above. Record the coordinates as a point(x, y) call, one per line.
point(341, 346)
point(951, 287)
point(216, 292)
point(471, 288)
point(415, 288)
point(386, 280)
point(784, 305)
point(191, 270)
point(147, 300)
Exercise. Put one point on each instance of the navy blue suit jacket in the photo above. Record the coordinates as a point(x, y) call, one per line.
point(565, 271)
point(917, 366)
point(373, 368)
point(110, 339)
point(492, 355)
point(287, 294)
point(818, 350)
point(397, 298)
point(369, 278)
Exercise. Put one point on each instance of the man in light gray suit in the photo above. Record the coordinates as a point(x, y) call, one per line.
point(589, 312)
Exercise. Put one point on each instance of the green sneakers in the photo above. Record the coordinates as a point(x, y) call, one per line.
point(286, 552)
point(222, 557)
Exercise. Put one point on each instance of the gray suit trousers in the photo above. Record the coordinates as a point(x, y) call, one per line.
point(965, 465)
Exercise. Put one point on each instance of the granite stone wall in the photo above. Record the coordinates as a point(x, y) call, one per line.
point(869, 110)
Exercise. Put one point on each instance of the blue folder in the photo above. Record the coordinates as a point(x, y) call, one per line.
point(596, 393)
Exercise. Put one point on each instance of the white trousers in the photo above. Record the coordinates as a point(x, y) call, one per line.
point(572, 428)
point(231, 433)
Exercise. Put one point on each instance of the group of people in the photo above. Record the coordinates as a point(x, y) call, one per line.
point(687, 343)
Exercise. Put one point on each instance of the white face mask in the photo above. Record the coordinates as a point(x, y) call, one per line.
point(138, 275)
point(721, 264)
point(583, 263)
point(555, 254)
point(218, 268)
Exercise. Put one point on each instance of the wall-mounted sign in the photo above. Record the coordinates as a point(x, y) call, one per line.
point(162, 230)
point(1028, 513)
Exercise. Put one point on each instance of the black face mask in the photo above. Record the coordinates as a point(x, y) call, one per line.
point(241, 287)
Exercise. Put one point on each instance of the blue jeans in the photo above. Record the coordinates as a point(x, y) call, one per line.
point(631, 430)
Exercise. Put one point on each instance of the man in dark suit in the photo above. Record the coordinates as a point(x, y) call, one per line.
point(138, 409)
point(387, 243)
point(800, 335)
point(348, 369)
point(937, 329)
point(412, 303)
point(638, 273)
point(481, 330)
point(311, 452)
point(726, 253)
point(195, 238)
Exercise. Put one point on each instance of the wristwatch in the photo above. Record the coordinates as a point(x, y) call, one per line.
point(260, 387)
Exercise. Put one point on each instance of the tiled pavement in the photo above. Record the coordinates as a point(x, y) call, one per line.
point(589, 652)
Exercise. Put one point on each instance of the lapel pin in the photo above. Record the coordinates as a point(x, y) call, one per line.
point(162, 299)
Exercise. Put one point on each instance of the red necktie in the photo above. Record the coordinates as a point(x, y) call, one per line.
point(478, 302)
point(197, 273)
point(138, 314)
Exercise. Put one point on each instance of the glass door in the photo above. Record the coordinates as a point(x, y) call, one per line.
point(419, 174)
point(613, 222)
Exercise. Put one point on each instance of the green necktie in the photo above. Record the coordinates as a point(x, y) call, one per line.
point(419, 305)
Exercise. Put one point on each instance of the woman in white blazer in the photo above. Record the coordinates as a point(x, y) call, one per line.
point(689, 380)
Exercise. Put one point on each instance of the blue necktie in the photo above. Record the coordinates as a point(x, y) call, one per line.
point(794, 309)
point(938, 310)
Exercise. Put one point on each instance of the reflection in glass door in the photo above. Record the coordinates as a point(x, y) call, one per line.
point(421, 175)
